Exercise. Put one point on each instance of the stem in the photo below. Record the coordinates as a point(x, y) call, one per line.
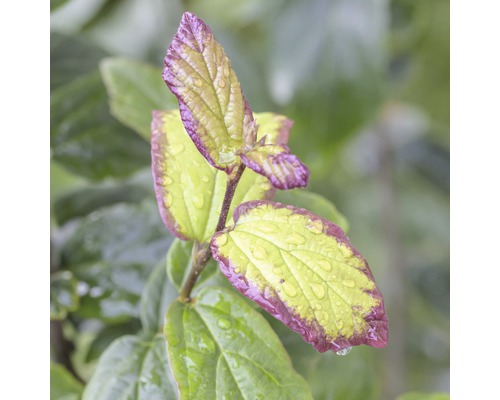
point(203, 254)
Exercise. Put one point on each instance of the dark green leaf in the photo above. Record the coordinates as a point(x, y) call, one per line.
point(135, 90)
point(223, 349)
point(55, 4)
point(83, 201)
point(63, 386)
point(157, 295)
point(63, 295)
point(135, 369)
point(179, 260)
point(113, 251)
point(315, 203)
point(86, 139)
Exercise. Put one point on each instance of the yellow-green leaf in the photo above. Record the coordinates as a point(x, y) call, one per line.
point(303, 270)
point(213, 108)
point(190, 191)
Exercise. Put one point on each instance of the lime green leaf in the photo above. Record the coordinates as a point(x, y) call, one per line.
point(157, 295)
point(189, 191)
point(179, 258)
point(213, 109)
point(283, 169)
point(63, 295)
point(135, 89)
point(424, 396)
point(314, 202)
point(303, 270)
point(133, 368)
point(221, 348)
point(63, 386)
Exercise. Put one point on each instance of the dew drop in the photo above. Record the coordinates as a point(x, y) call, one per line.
point(289, 290)
point(267, 228)
point(198, 201)
point(294, 219)
point(324, 264)
point(339, 323)
point(176, 148)
point(258, 252)
point(315, 226)
point(236, 270)
point(296, 239)
point(221, 83)
point(198, 82)
point(344, 352)
point(168, 199)
point(318, 290)
point(205, 179)
point(167, 180)
point(224, 323)
point(349, 283)
point(226, 72)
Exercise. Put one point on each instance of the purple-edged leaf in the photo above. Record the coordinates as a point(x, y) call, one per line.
point(213, 108)
point(189, 191)
point(283, 169)
point(303, 270)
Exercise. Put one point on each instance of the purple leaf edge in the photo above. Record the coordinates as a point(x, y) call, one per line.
point(376, 336)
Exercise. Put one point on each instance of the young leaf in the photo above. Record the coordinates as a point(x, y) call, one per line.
point(220, 348)
point(213, 109)
point(283, 169)
point(303, 270)
point(133, 368)
point(188, 190)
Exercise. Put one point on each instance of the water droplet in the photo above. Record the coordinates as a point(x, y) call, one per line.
point(318, 290)
point(222, 239)
point(339, 323)
point(176, 148)
point(338, 303)
point(295, 219)
point(221, 83)
point(236, 270)
point(344, 352)
point(324, 264)
point(289, 289)
point(224, 323)
point(296, 239)
point(205, 179)
point(198, 82)
point(315, 226)
point(258, 252)
point(167, 180)
point(225, 71)
point(168, 199)
point(349, 283)
point(198, 201)
point(267, 228)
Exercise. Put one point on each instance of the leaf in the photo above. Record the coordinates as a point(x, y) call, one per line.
point(63, 386)
point(303, 270)
point(135, 89)
point(85, 139)
point(221, 348)
point(314, 202)
point(179, 258)
point(157, 295)
point(424, 396)
point(188, 190)
point(213, 109)
point(283, 169)
point(132, 368)
point(63, 295)
point(112, 252)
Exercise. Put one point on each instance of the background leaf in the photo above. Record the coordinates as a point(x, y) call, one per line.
point(63, 294)
point(221, 347)
point(133, 367)
point(63, 386)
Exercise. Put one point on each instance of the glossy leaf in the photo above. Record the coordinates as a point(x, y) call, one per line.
point(135, 89)
point(188, 190)
point(157, 295)
point(315, 203)
point(221, 348)
point(179, 259)
point(85, 139)
point(63, 386)
point(283, 169)
point(303, 270)
point(63, 295)
point(133, 368)
point(213, 109)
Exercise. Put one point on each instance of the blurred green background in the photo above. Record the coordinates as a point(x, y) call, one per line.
point(367, 84)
